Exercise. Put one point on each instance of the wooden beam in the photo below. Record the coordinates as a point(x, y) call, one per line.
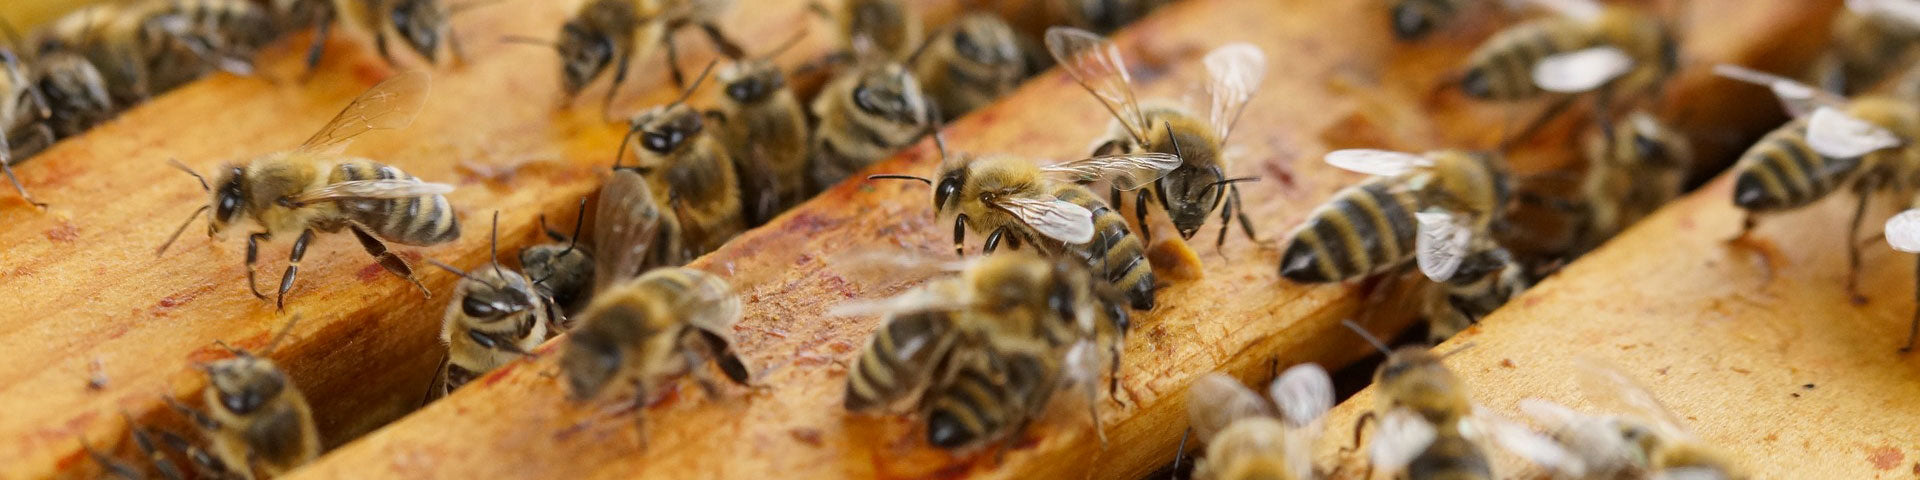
point(1337, 80)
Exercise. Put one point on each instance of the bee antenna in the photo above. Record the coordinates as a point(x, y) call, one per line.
point(684, 94)
point(278, 337)
point(196, 175)
point(229, 348)
point(176, 232)
point(462, 273)
point(784, 46)
point(1175, 140)
point(493, 245)
point(893, 176)
point(1461, 348)
point(579, 219)
point(1368, 336)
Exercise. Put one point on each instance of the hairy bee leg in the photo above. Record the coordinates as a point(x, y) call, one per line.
point(111, 466)
point(293, 267)
point(322, 24)
point(6, 166)
point(619, 78)
point(1093, 413)
point(1853, 250)
point(1246, 222)
point(960, 235)
point(993, 240)
point(393, 263)
point(726, 45)
point(144, 441)
point(1140, 212)
point(204, 464)
point(253, 256)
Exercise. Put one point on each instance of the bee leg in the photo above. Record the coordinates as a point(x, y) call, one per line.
point(199, 418)
point(6, 166)
point(393, 263)
point(1853, 250)
point(144, 440)
point(1246, 223)
point(205, 464)
point(253, 256)
point(1140, 212)
point(112, 467)
point(993, 240)
point(1179, 453)
point(724, 356)
point(322, 24)
point(619, 78)
point(293, 267)
point(960, 235)
point(726, 45)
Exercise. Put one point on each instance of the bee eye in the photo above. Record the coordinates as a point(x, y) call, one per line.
point(1647, 149)
point(864, 98)
point(948, 188)
point(743, 91)
point(963, 44)
point(657, 142)
point(473, 306)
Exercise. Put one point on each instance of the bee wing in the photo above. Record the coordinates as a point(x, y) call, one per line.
point(1606, 386)
point(1236, 70)
point(1687, 473)
point(1903, 231)
point(1442, 243)
point(923, 299)
point(711, 305)
point(1581, 70)
point(1303, 393)
point(1798, 98)
point(390, 104)
point(1096, 64)
point(372, 189)
point(1399, 437)
point(1531, 445)
point(1060, 219)
point(1903, 11)
point(1377, 162)
point(1127, 171)
point(1216, 400)
point(1582, 10)
point(895, 264)
point(1836, 134)
point(626, 223)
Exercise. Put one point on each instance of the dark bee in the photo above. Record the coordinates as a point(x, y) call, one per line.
point(765, 130)
point(864, 115)
point(969, 64)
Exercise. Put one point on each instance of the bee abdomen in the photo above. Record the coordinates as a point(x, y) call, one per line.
point(418, 220)
point(1450, 456)
point(1782, 171)
point(1364, 229)
point(1123, 256)
point(881, 374)
point(1502, 68)
point(456, 376)
point(972, 408)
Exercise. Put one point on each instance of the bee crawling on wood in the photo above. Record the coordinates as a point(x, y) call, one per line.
point(651, 330)
point(1249, 438)
point(1424, 207)
point(1638, 437)
point(315, 188)
point(604, 35)
point(765, 130)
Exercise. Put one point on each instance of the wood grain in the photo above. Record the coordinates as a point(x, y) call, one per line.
point(1329, 88)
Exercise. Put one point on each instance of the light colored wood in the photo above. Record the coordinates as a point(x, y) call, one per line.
point(26, 14)
point(1329, 88)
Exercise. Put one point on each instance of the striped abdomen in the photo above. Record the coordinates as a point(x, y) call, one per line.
point(858, 129)
point(899, 359)
point(420, 220)
point(1781, 171)
point(1114, 249)
point(1502, 68)
point(1452, 457)
point(1364, 229)
point(988, 398)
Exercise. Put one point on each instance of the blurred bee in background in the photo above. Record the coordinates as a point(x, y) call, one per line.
point(1199, 187)
point(970, 63)
point(144, 440)
point(1485, 281)
point(984, 352)
point(862, 116)
point(23, 113)
point(215, 35)
point(496, 316)
point(652, 329)
point(1633, 168)
point(76, 94)
point(1623, 52)
point(883, 29)
point(1016, 200)
point(562, 271)
point(1639, 437)
point(1100, 15)
point(315, 187)
point(1413, 19)
point(1870, 40)
point(1248, 438)
point(1427, 207)
point(143, 49)
point(419, 24)
point(764, 128)
point(611, 33)
point(689, 169)
point(255, 418)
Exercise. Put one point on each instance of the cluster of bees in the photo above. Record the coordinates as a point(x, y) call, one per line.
point(979, 351)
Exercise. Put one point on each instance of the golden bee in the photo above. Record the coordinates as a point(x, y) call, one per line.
point(23, 114)
point(76, 94)
point(1426, 207)
point(885, 29)
point(985, 351)
point(1248, 438)
point(1485, 281)
point(314, 187)
point(1638, 436)
point(142, 49)
point(1633, 168)
point(496, 316)
point(115, 39)
point(1870, 40)
point(609, 34)
point(864, 115)
point(1018, 201)
point(653, 329)
point(1419, 408)
point(1413, 19)
point(1100, 15)
point(561, 271)
point(1620, 50)
point(969, 64)
point(1200, 186)
point(255, 417)
point(764, 127)
point(215, 34)
point(690, 171)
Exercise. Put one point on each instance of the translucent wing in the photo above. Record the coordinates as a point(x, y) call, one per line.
point(1611, 389)
point(1581, 70)
point(1216, 400)
point(1836, 134)
point(1903, 231)
point(1096, 63)
point(1687, 473)
point(1053, 217)
point(709, 304)
point(390, 104)
point(1904, 11)
point(1441, 244)
point(1377, 162)
point(1399, 437)
point(1798, 98)
point(894, 265)
point(372, 190)
point(1598, 442)
point(627, 224)
point(1127, 171)
point(1583, 10)
point(1236, 70)
point(1533, 446)
point(1303, 393)
point(939, 296)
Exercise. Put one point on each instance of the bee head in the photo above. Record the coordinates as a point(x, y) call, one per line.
point(583, 55)
point(491, 294)
point(892, 93)
point(752, 81)
point(984, 39)
point(1415, 377)
point(244, 383)
point(420, 23)
point(664, 130)
point(1411, 20)
point(594, 356)
point(229, 199)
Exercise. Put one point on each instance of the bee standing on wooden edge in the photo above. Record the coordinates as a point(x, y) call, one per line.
point(764, 126)
point(1424, 207)
point(495, 316)
point(603, 34)
point(314, 187)
point(690, 171)
point(1637, 437)
point(651, 330)
point(862, 116)
point(1620, 53)
point(1248, 438)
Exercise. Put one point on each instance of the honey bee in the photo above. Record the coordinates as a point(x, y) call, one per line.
point(1200, 186)
point(765, 130)
point(690, 171)
point(1424, 419)
point(611, 33)
point(1870, 40)
point(256, 418)
point(864, 115)
point(561, 271)
point(496, 316)
point(1413, 19)
point(632, 233)
point(1485, 281)
point(215, 35)
point(970, 63)
point(420, 24)
point(23, 110)
point(1585, 47)
point(1640, 437)
point(1633, 168)
point(651, 329)
point(1426, 207)
point(315, 188)
point(1100, 15)
point(115, 39)
point(985, 351)
point(1016, 200)
point(885, 29)
point(143, 49)
point(76, 94)
point(1249, 439)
